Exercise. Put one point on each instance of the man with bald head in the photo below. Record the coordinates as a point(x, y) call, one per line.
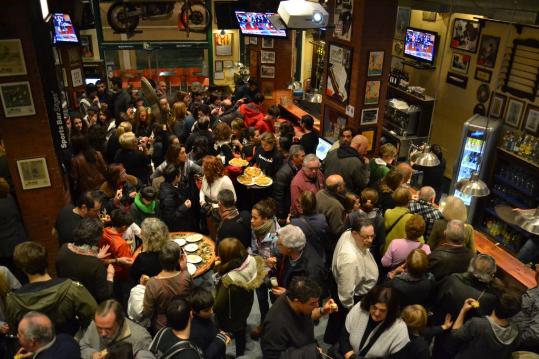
point(229, 111)
point(350, 162)
point(38, 340)
point(424, 206)
point(327, 203)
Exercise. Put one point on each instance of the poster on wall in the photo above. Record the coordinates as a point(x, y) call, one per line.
point(223, 44)
point(17, 99)
point(376, 63)
point(342, 19)
point(76, 77)
point(339, 71)
point(372, 92)
point(86, 46)
point(531, 123)
point(34, 173)
point(402, 22)
point(465, 35)
point(12, 58)
point(497, 105)
point(460, 62)
point(488, 50)
point(514, 112)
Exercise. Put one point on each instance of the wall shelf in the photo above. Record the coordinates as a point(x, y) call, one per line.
point(525, 160)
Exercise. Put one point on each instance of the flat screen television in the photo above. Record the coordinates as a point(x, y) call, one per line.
point(420, 45)
point(258, 24)
point(64, 32)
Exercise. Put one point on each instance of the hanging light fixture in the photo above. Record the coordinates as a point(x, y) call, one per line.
point(425, 157)
point(473, 186)
point(529, 222)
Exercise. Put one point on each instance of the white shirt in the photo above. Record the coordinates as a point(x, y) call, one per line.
point(354, 269)
point(212, 191)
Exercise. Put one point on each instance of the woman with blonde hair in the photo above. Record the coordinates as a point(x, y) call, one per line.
point(134, 157)
point(154, 234)
point(176, 120)
point(454, 209)
point(113, 143)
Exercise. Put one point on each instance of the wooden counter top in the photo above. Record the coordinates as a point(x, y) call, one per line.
point(507, 263)
point(294, 109)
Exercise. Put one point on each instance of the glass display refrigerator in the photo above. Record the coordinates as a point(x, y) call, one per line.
point(477, 146)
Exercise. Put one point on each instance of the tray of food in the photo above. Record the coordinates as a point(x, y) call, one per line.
point(246, 180)
point(253, 171)
point(238, 162)
point(199, 250)
point(263, 181)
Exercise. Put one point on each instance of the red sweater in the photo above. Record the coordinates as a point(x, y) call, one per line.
point(118, 248)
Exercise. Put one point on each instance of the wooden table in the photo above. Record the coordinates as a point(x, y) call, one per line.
point(507, 263)
point(202, 267)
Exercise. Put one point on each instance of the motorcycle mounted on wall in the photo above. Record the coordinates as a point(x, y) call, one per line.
point(124, 16)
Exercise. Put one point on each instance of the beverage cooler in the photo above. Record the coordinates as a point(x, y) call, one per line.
point(477, 146)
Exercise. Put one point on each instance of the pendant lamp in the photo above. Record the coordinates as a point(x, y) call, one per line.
point(426, 158)
point(473, 186)
point(529, 223)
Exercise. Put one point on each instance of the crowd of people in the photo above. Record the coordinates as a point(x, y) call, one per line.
point(346, 238)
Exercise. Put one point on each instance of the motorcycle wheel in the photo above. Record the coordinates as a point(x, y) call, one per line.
point(116, 16)
point(197, 18)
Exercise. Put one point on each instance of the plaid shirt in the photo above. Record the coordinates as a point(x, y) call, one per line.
point(428, 212)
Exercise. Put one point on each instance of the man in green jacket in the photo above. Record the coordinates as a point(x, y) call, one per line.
point(68, 303)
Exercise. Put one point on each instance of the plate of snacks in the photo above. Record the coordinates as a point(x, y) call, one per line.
point(263, 181)
point(193, 258)
point(253, 171)
point(191, 247)
point(246, 180)
point(238, 162)
point(194, 238)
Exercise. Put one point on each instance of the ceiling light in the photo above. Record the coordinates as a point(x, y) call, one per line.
point(473, 186)
point(426, 158)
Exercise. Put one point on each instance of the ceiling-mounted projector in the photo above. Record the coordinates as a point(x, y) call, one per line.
point(302, 14)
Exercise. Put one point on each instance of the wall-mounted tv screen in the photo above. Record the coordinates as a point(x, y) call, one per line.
point(420, 45)
point(64, 32)
point(258, 24)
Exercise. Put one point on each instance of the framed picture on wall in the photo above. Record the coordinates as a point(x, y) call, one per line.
point(465, 35)
point(267, 43)
point(219, 75)
point(398, 48)
point(267, 89)
point(531, 119)
point(483, 75)
point(267, 72)
point(223, 44)
point(339, 73)
point(513, 114)
point(228, 64)
point(402, 22)
point(371, 137)
point(17, 99)
point(34, 173)
point(372, 92)
point(457, 80)
point(497, 105)
point(86, 46)
point(369, 116)
point(267, 57)
point(342, 18)
point(488, 50)
point(376, 63)
point(12, 59)
point(460, 62)
point(218, 66)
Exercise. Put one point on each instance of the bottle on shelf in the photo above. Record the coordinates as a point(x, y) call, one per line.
point(518, 143)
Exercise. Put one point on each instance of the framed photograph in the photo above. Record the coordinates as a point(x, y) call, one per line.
point(531, 123)
point(483, 75)
point(398, 48)
point(267, 43)
point(342, 19)
point(371, 137)
point(86, 46)
point(223, 44)
point(376, 63)
point(457, 80)
point(465, 35)
point(267, 89)
point(267, 57)
point(513, 114)
point(17, 99)
point(488, 50)
point(246, 40)
point(218, 66)
point(460, 62)
point(34, 173)
point(372, 92)
point(497, 105)
point(339, 73)
point(369, 116)
point(219, 75)
point(267, 72)
point(402, 22)
point(12, 59)
point(228, 64)
point(253, 40)
point(76, 77)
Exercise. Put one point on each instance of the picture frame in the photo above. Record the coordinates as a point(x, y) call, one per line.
point(267, 57)
point(460, 62)
point(372, 92)
point(513, 112)
point(497, 105)
point(76, 77)
point(369, 116)
point(488, 51)
point(219, 75)
point(339, 73)
point(483, 75)
point(465, 35)
point(223, 44)
point(12, 61)
point(267, 43)
point(228, 64)
point(402, 21)
point(370, 134)
point(456, 79)
point(531, 123)
point(376, 63)
point(218, 66)
point(267, 88)
point(86, 46)
point(267, 72)
point(398, 48)
point(33, 173)
point(17, 99)
point(253, 40)
point(342, 19)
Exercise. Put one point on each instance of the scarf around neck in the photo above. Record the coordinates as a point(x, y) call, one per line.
point(146, 209)
point(229, 213)
point(265, 228)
